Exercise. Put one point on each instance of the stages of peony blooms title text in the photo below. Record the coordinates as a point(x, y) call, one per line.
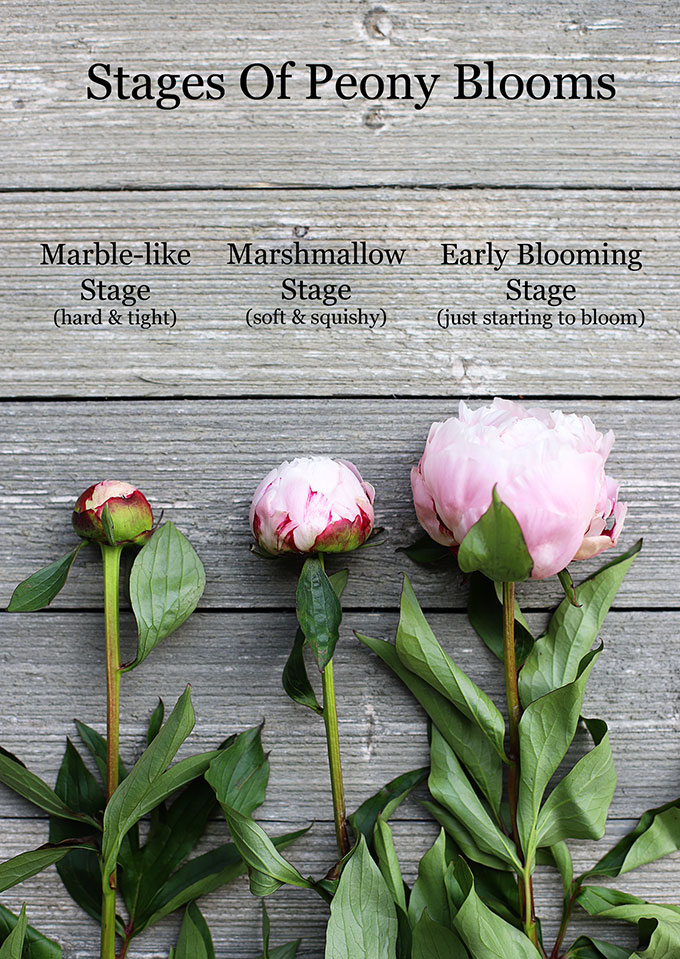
point(317, 81)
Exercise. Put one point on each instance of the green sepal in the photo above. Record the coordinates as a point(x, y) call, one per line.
point(495, 546)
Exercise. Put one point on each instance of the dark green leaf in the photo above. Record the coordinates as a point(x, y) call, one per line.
point(150, 781)
point(96, 744)
point(420, 652)
point(567, 584)
point(545, 732)
point(572, 631)
point(485, 613)
point(295, 679)
point(288, 951)
point(22, 781)
point(578, 805)
point(385, 802)
point(36, 946)
point(318, 610)
point(79, 872)
point(388, 862)
point(363, 921)
point(166, 583)
point(41, 587)
point(195, 941)
point(13, 946)
point(426, 552)
point(466, 737)
point(431, 940)
point(338, 581)
point(452, 789)
point(463, 838)
point(199, 876)
point(657, 834)
point(664, 940)
point(28, 864)
point(429, 890)
point(240, 773)
point(587, 948)
point(485, 934)
point(260, 853)
point(495, 546)
point(155, 722)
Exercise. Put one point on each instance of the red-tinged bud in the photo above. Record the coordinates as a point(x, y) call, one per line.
point(113, 512)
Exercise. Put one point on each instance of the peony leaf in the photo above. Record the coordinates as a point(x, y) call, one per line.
point(318, 610)
point(495, 546)
point(657, 834)
point(466, 737)
point(195, 941)
point(295, 679)
point(555, 658)
point(166, 583)
point(13, 946)
point(420, 652)
point(452, 789)
point(586, 947)
point(545, 733)
point(464, 839)
point(240, 773)
point(485, 612)
point(28, 864)
point(384, 803)
point(431, 940)
point(577, 807)
point(426, 552)
point(41, 587)
point(36, 946)
point(388, 862)
point(150, 781)
point(429, 890)
point(363, 920)
point(664, 940)
point(22, 781)
point(486, 935)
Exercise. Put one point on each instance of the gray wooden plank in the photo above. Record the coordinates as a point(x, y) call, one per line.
point(201, 462)
point(234, 663)
point(55, 137)
point(212, 351)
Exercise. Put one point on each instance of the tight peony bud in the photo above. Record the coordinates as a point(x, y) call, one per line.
point(547, 467)
point(313, 504)
point(129, 511)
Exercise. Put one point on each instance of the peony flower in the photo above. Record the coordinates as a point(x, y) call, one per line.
point(313, 504)
point(129, 510)
point(548, 469)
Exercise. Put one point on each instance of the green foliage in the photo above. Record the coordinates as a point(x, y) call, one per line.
point(166, 583)
point(41, 587)
point(363, 921)
point(195, 941)
point(657, 834)
point(13, 946)
point(318, 610)
point(485, 612)
point(495, 546)
point(384, 803)
point(36, 946)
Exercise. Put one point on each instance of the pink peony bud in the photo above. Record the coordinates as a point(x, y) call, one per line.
point(548, 469)
point(314, 504)
point(129, 510)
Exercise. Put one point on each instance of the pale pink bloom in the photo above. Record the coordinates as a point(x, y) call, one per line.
point(547, 467)
point(313, 504)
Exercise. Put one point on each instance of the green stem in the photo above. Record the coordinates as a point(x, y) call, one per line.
point(111, 562)
point(330, 718)
point(514, 716)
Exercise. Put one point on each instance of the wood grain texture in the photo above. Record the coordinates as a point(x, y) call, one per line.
point(234, 664)
point(201, 462)
point(55, 137)
point(212, 351)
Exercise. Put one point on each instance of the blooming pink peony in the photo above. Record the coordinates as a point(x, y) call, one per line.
point(129, 509)
point(314, 504)
point(548, 469)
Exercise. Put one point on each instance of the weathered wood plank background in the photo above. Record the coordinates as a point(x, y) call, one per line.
point(196, 415)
